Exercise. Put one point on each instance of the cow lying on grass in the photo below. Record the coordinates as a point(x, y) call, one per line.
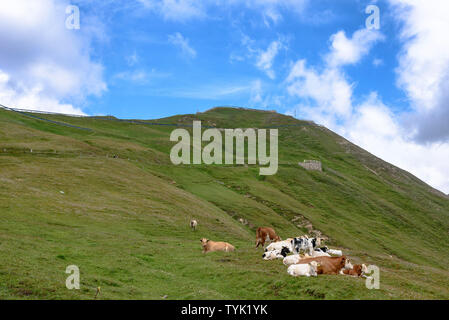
point(279, 245)
point(329, 265)
point(295, 258)
point(357, 270)
point(317, 253)
point(210, 246)
point(271, 255)
point(275, 254)
point(330, 251)
point(309, 269)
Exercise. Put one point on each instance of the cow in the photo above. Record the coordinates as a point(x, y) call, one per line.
point(309, 269)
point(292, 259)
point(279, 245)
point(357, 270)
point(285, 251)
point(275, 254)
point(193, 224)
point(210, 246)
point(265, 234)
point(328, 265)
point(317, 253)
point(334, 252)
point(271, 255)
point(306, 244)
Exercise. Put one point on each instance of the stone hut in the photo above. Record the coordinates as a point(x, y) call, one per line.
point(311, 165)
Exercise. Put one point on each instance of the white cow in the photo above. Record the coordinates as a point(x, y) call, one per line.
point(317, 253)
point(292, 259)
point(274, 254)
point(295, 258)
point(279, 244)
point(309, 269)
point(335, 252)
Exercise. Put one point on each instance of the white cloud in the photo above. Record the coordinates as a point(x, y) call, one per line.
point(249, 44)
point(178, 40)
point(272, 15)
point(260, 97)
point(424, 59)
point(208, 92)
point(266, 58)
point(42, 63)
point(349, 51)
point(256, 92)
point(149, 4)
point(377, 62)
point(32, 98)
point(328, 90)
point(132, 59)
point(133, 76)
point(423, 70)
point(263, 59)
point(184, 10)
point(181, 9)
point(139, 76)
point(271, 9)
point(176, 10)
point(233, 57)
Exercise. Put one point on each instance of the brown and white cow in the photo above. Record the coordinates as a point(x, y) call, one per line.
point(265, 234)
point(328, 265)
point(357, 270)
point(210, 246)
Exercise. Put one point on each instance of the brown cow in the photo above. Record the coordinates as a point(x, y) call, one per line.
point(356, 271)
point(328, 265)
point(210, 246)
point(265, 234)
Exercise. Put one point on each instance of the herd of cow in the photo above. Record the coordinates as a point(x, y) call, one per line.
point(308, 257)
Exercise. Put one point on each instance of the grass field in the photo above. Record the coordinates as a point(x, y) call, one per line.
point(110, 201)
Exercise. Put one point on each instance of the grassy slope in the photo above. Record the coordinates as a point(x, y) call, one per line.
point(124, 221)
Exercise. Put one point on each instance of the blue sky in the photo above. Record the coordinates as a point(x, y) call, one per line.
point(149, 74)
point(385, 89)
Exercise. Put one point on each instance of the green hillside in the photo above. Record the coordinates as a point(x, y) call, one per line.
point(102, 194)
